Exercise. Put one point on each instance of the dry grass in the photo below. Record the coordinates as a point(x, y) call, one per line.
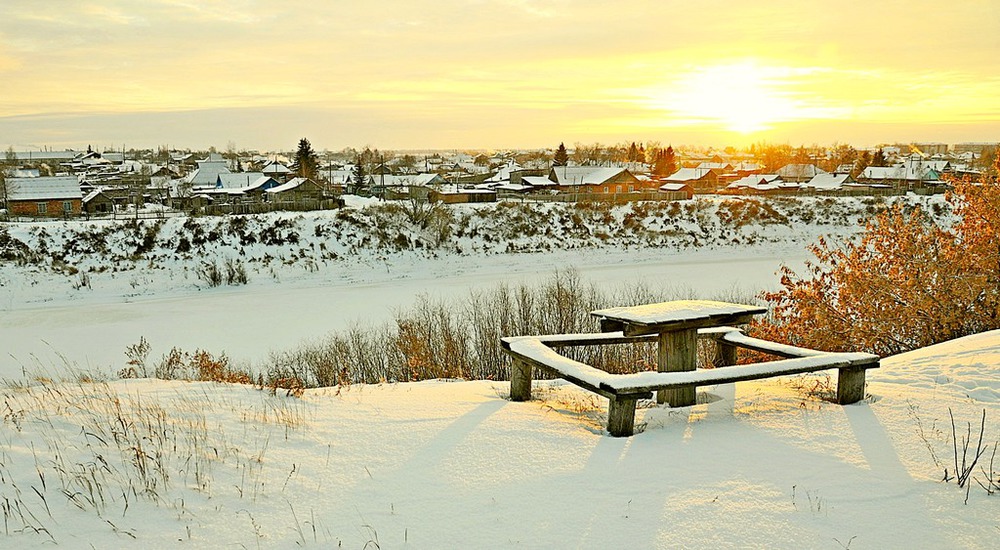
point(99, 448)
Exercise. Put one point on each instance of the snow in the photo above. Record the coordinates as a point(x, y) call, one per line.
point(675, 311)
point(453, 464)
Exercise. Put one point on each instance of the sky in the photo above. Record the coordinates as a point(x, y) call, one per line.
point(495, 74)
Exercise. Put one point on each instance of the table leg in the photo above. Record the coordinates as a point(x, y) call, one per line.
point(678, 351)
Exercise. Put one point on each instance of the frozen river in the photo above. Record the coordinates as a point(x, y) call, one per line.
point(247, 322)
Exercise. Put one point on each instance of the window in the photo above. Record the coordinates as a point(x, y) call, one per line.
point(631, 189)
point(618, 189)
point(42, 207)
point(68, 207)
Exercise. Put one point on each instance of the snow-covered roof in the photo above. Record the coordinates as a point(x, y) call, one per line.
point(827, 181)
point(756, 181)
point(293, 183)
point(234, 180)
point(689, 174)
point(800, 171)
point(584, 175)
point(390, 180)
point(537, 181)
point(275, 167)
point(207, 172)
point(716, 165)
point(50, 188)
point(679, 186)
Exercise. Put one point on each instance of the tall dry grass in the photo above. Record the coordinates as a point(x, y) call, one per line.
point(460, 337)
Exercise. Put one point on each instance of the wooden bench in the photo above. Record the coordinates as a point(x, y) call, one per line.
point(624, 390)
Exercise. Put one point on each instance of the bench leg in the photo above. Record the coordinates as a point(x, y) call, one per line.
point(621, 415)
point(850, 385)
point(520, 381)
point(725, 354)
point(678, 351)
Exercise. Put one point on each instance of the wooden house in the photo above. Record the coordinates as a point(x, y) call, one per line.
point(52, 197)
point(595, 179)
point(296, 190)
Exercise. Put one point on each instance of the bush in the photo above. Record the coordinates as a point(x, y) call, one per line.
point(905, 283)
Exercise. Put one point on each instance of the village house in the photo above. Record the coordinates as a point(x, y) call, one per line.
point(799, 172)
point(296, 190)
point(701, 180)
point(596, 179)
point(392, 187)
point(49, 197)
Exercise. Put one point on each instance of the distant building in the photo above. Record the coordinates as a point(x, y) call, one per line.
point(52, 197)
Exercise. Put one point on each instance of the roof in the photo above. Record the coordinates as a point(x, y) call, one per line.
point(717, 165)
point(585, 175)
point(289, 185)
point(690, 174)
point(275, 167)
point(828, 181)
point(54, 188)
point(537, 181)
point(235, 180)
point(389, 180)
point(800, 171)
point(674, 186)
point(208, 172)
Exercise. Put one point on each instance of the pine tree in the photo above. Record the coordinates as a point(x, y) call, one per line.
point(561, 157)
point(359, 174)
point(879, 158)
point(306, 159)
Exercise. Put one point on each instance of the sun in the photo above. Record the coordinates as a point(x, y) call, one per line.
point(743, 98)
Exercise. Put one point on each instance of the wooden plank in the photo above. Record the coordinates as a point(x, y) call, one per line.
point(677, 352)
point(549, 369)
point(737, 373)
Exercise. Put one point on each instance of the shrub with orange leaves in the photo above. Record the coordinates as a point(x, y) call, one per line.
point(905, 283)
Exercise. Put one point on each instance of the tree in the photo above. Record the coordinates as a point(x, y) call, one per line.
point(864, 161)
point(9, 163)
point(665, 163)
point(878, 159)
point(306, 160)
point(359, 174)
point(905, 283)
point(561, 157)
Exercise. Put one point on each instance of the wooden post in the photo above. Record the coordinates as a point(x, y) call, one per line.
point(621, 415)
point(678, 351)
point(850, 385)
point(725, 354)
point(520, 381)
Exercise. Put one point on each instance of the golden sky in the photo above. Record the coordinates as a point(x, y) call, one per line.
point(400, 74)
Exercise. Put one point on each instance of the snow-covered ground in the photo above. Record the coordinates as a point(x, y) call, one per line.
point(312, 273)
point(443, 464)
point(450, 464)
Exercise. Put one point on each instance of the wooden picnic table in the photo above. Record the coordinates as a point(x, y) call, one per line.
point(676, 325)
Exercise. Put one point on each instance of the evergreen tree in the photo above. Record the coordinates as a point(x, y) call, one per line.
point(671, 160)
point(306, 159)
point(359, 174)
point(633, 153)
point(665, 162)
point(561, 157)
point(879, 158)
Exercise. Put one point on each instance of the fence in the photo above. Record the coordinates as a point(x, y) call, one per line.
point(273, 206)
point(616, 198)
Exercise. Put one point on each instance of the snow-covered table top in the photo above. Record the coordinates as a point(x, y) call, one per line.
point(675, 315)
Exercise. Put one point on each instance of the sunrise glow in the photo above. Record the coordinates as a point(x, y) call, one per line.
point(492, 73)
